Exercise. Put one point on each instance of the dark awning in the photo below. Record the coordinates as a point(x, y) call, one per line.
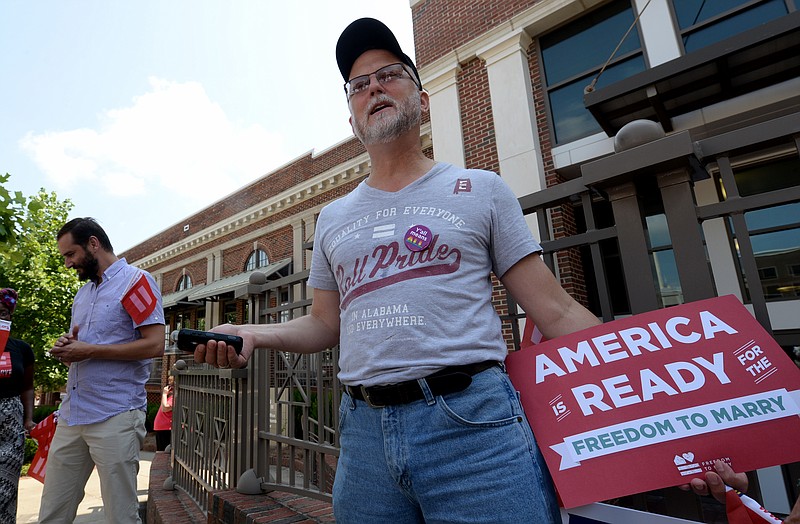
point(757, 58)
point(229, 284)
point(172, 299)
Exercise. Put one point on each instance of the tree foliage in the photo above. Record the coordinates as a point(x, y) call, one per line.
point(13, 210)
point(33, 266)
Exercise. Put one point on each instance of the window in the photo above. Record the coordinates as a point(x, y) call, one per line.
point(257, 259)
point(774, 231)
point(285, 314)
point(183, 320)
point(705, 22)
point(767, 273)
point(184, 283)
point(612, 263)
point(230, 314)
point(574, 54)
point(664, 267)
point(775, 235)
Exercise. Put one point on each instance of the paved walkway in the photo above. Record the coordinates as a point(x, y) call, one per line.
point(91, 508)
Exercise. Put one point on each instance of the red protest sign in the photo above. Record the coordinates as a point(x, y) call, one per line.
point(43, 433)
point(5, 330)
point(652, 400)
point(5, 358)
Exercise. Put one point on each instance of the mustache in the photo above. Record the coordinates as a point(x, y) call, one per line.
point(381, 99)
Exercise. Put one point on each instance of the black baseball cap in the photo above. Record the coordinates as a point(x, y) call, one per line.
point(363, 35)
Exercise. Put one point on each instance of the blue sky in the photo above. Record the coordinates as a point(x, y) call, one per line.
point(143, 112)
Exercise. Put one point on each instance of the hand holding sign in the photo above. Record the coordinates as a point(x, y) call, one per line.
point(715, 481)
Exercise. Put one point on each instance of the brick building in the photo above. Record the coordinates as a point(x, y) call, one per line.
point(653, 145)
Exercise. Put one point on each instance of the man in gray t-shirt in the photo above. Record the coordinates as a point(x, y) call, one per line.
point(406, 314)
point(431, 429)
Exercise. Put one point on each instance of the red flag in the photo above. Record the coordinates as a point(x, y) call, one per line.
point(140, 300)
point(43, 433)
point(531, 335)
point(742, 509)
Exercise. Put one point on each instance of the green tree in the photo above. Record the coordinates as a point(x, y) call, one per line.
point(33, 266)
point(13, 209)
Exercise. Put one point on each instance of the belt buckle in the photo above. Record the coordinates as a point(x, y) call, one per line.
point(367, 399)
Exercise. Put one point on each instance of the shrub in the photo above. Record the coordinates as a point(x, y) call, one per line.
point(31, 446)
point(42, 412)
point(152, 410)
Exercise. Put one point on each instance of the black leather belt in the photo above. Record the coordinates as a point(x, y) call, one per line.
point(451, 379)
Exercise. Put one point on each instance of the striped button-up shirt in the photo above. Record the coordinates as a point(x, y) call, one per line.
point(98, 389)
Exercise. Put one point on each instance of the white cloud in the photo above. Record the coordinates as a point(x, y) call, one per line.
point(122, 185)
point(173, 139)
point(65, 156)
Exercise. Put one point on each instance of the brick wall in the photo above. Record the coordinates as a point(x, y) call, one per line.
point(442, 25)
point(562, 218)
point(277, 244)
point(480, 149)
point(196, 271)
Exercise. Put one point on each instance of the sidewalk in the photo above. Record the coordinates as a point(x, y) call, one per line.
point(91, 508)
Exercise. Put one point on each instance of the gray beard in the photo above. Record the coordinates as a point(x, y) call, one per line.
point(388, 129)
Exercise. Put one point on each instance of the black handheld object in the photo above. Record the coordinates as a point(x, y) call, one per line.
point(189, 338)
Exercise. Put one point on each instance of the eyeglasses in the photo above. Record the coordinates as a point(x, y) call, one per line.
point(384, 75)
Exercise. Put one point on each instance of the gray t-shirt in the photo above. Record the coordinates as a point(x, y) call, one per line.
point(406, 313)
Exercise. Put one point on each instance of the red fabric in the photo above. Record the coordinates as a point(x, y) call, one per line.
point(163, 420)
point(531, 335)
point(43, 433)
point(742, 509)
point(140, 300)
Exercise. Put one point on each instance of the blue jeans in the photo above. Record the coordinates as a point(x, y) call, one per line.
point(467, 457)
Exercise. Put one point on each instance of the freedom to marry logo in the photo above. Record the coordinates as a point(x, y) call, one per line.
point(614, 405)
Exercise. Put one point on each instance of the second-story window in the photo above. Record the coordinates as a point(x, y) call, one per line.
point(184, 283)
point(703, 22)
point(575, 53)
point(257, 259)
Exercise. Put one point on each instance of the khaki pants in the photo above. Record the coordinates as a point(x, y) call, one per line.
point(113, 447)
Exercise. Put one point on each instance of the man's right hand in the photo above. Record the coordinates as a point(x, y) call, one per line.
point(222, 355)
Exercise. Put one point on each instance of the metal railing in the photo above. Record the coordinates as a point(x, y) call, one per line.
point(296, 398)
point(297, 444)
point(278, 417)
point(208, 426)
